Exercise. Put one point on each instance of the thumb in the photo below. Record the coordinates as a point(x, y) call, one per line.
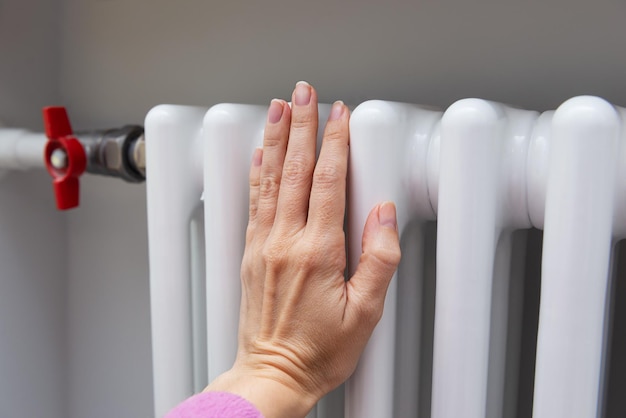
point(380, 256)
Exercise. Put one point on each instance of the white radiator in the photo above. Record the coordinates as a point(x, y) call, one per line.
point(480, 173)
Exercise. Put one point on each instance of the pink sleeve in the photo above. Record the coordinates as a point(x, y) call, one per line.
point(215, 405)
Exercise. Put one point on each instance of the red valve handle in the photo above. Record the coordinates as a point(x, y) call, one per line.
point(65, 179)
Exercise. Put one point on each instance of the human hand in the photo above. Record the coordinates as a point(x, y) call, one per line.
point(302, 326)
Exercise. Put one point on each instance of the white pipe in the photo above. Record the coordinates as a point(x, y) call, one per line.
point(231, 133)
point(513, 214)
point(580, 204)
point(21, 149)
point(409, 319)
point(388, 152)
point(466, 241)
point(482, 191)
point(174, 187)
point(372, 179)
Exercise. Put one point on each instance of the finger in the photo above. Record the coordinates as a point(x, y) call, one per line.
point(295, 187)
point(378, 262)
point(274, 147)
point(328, 192)
point(251, 289)
point(255, 180)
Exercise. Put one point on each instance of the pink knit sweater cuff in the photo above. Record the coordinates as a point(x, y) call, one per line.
point(215, 405)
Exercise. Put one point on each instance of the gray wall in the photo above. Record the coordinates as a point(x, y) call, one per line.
point(109, 352)
point(29, 60)
point(33, 337)
point(121, 57)
point(110, 61)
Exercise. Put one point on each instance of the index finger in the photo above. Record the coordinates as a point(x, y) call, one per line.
point(328, 192)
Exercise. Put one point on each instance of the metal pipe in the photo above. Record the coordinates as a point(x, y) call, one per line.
point(113, 152)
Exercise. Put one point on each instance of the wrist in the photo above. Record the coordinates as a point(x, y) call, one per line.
point(272, 394)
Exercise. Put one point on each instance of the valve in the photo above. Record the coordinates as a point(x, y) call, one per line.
point(64, 156)
point(118, 152)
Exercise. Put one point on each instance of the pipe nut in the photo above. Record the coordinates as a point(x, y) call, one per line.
point(112, 154)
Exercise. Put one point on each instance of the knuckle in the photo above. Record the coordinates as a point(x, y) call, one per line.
point(394, 256)
point(246, 269)
point(269, 186)
point(295, 169)
point(273, 256)
point(327, 175)
point(321, 255)
point(335, 133)
point(254, 208)
point(273, 139)
point(324, 249)
point(303, 121)
point(388, 257)
point(255, 180)
point(247, 264)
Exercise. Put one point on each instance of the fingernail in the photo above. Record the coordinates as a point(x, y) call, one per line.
point(257, 157)
point(276, 111)
point(336, 111)
point(302, 94)
point(387, 215)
